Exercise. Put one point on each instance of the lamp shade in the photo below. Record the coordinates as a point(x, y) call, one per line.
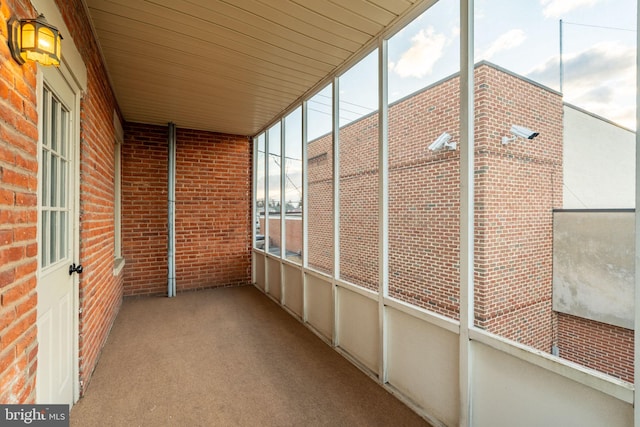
point(34, 40)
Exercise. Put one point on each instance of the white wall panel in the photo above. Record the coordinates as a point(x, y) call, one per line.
point(358, 327)
point(273, 273)
point(423, 364)
point(509, 391)
point(258, 270)
point(293, 289)
point(319, 304)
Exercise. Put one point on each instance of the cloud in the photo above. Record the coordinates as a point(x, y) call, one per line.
point(509, 40)
point(600, 79)
point(557, 8)
point(426, 49)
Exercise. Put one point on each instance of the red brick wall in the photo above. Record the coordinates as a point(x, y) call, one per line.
point(100, 290)
point(424, 194)
point(607, 348)
point(213, 210)
point(517, 187)
point(18, 219)
point(144, 209)
point(320, 204)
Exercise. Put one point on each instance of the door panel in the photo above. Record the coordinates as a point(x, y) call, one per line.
point(56, 287)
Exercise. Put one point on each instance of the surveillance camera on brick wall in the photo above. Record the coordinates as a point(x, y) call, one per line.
point(519, 132)
point(442, 142)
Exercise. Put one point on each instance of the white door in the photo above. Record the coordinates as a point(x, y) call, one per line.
point(56, 285)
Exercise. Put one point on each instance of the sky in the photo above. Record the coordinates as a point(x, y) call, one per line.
point(523, 36)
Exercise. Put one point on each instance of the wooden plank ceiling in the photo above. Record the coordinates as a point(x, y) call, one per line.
point(229, 66)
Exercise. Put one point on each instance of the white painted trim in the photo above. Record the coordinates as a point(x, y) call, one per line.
point(614, 387)
point(71, 58)
point(283, 213)
point(467, 208)
point(319, 275)
point(367, 293)
point(383, 204)
point(335, 116)
point(434, 319)
point(305, 213)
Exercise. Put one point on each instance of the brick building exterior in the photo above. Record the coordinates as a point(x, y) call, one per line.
point(517, 186)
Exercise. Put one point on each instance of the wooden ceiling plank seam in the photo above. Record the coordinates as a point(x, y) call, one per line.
point(216, 31)
point(140, 85)
point(250, 78)
point(367, 10)
point(152, 38)
point(340, 14)
point(274, 72)
point(259, 24)
point(273, 15)
point(314, 19)
point(397, 7)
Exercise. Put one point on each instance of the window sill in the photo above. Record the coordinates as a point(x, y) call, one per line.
point(118, 265)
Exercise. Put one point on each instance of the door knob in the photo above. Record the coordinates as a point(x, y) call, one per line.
point(73, 268)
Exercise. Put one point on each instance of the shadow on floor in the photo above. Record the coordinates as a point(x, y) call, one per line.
point(222, 357)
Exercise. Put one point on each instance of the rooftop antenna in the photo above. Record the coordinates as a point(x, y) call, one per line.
point(561, 65)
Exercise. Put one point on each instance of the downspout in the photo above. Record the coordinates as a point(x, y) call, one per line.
point(171, 285)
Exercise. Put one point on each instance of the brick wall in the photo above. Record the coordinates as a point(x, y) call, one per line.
point(144, 209)
point(517, 187)
point(18, 219)
point(213, 210)
point(607, 348)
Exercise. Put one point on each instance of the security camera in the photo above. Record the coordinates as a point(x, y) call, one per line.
point(523, 132)
point(519, 132)
point(441, 142)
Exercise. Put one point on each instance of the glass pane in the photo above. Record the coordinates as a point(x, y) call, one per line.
point(45, 117)
point(260, 189)
point(275, 162)
point(424, 185)
point(293, 185)
point(63, 235)
point(358, 140)
point(319, 171)
point(45, 178)
point(53, 184)
point(63, 183)
point(55, 108)
point(44, 246)
point(64, 124)
point(556, 132)
point(53, 237)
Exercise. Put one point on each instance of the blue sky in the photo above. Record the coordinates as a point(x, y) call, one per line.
point(523, 36)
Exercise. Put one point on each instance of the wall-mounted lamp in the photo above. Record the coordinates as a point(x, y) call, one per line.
point(442, 142)
point(34, 40)
point(519, 132)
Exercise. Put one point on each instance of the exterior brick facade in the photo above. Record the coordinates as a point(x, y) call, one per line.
point(213, 225)
point(18, 221)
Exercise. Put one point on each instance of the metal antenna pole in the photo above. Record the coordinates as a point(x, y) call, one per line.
point(561, 65)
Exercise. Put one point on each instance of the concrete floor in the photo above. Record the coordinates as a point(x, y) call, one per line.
point(222, 357)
